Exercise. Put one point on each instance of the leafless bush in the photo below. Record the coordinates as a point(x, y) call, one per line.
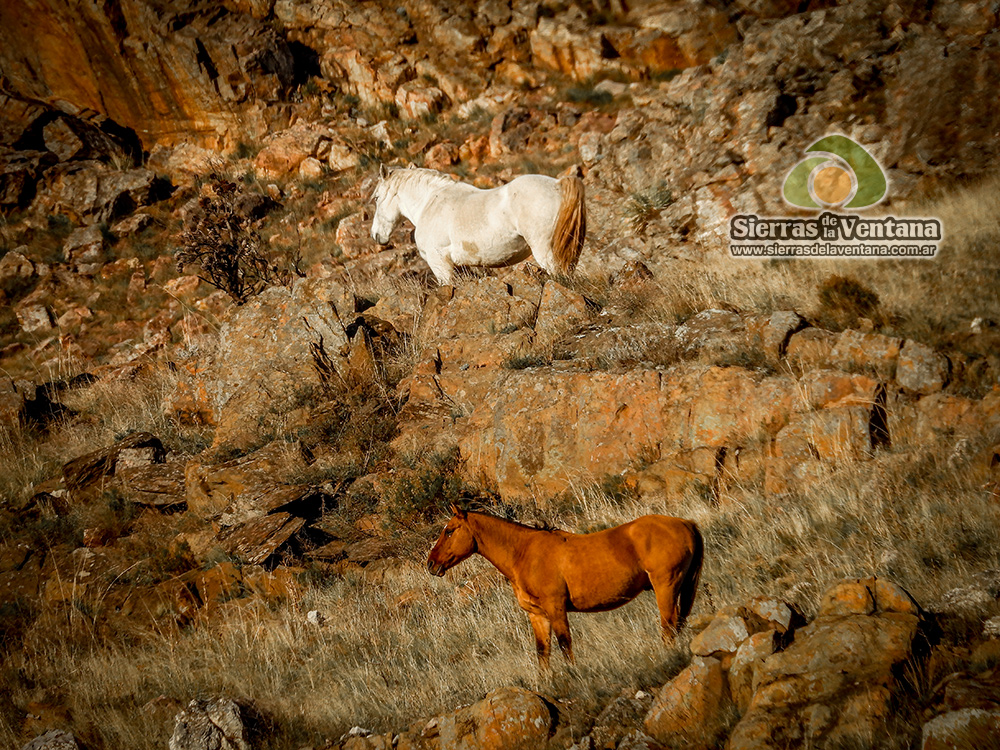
point(222, 240)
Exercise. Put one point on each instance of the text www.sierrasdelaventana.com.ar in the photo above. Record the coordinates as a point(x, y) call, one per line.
point(833, 235)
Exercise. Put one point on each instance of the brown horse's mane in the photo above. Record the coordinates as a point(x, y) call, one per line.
point(542, 526)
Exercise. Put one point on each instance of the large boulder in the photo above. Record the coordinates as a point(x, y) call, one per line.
point(835, 681)
point(266, 360)
point(690, 711)
point(213, 724)
point(540, 429)
point(507, 719)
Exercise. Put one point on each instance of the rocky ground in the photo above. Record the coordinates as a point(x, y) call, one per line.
point(217, 497)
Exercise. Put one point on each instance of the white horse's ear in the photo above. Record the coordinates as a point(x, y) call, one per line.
point(383, 171)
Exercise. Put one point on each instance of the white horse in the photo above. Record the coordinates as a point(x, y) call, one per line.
point(461, 225)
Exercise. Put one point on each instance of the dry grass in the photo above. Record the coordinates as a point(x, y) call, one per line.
point(109, 411)
point(401, 645)
point(926, 299)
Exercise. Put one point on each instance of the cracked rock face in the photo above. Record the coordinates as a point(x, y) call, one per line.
point(169, 73)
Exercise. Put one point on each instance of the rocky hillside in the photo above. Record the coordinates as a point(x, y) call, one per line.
point(232, 425)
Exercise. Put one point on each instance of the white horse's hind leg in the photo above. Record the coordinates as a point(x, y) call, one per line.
point(541, 250)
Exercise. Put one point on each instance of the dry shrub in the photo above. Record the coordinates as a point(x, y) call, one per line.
point(222, 241)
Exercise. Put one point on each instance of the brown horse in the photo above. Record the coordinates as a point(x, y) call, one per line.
point(554, 572)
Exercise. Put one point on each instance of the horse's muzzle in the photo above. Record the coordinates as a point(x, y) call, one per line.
point(436, 568)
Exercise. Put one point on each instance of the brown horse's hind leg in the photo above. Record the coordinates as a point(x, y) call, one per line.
point(543, 638)
point(560, 624)
point(665, 589)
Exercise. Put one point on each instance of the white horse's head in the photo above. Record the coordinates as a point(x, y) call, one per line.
point(386, 197)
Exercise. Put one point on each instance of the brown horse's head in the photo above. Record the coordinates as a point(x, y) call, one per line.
point(455, 544)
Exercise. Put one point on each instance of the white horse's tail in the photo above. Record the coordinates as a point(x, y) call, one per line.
point(571, 225)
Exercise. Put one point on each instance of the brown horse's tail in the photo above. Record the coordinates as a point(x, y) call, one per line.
point(571, 224)
point(689, 586)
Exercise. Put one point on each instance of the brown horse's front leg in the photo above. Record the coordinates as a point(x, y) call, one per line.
point(543, 638)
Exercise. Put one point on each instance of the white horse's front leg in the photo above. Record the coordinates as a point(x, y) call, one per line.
point(441, 267)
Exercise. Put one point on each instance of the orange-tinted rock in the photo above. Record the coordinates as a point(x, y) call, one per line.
point(835, 681)
point(689, 710)
point(747, 662)
point(856, 351)
point(830, 434)
point(811, 348)
point(506, 719)
point(169, 73)
point(829, 388)
point(920, 369)
point(542, 428)
point(560, 311)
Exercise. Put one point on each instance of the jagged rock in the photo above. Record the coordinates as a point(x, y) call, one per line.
point(723, 636)
point(856, 351)
point(547, 425)
point(416, 100)
point(264, 359)
point(772, 614)
point(920, 369)
point(20, 172)
point(487, 305)
point(746, 663)
point(560, 311)
point(54, 739)
point(90, 193)
point(773, 332)
point(611, 728)
point(712, 332)
point(811, 348)
point(964, 728)
point(310, 168)
point(867, 597)
point(864, 630)
point(247, 487)
point(690, 710)
point(213, 724)
point(836, 433)
point(34, 318)
point(158, 485)
point(132, 225)
point(84, 250)
point(15, 269)
point(507, 719)
point(285, 151)
point(342, 157)
point(833, 388)
point(87, 474)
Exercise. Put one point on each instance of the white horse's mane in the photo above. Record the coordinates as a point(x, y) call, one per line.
point(419, 175)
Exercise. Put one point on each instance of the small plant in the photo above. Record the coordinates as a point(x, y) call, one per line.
point(524, 361)
point(643, 207)
point(844, 301)
point(589, 95)
point(224, 243)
